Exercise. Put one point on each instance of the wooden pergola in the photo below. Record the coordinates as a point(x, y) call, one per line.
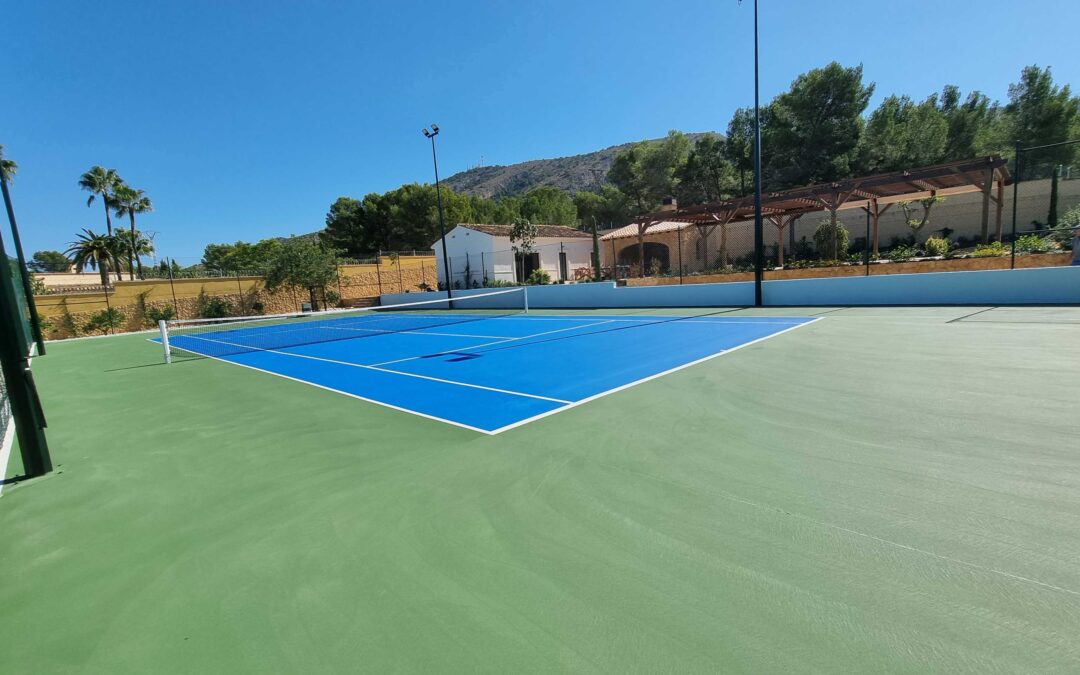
point(874, 194)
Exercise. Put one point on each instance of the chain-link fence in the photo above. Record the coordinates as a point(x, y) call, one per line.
point(566, 261)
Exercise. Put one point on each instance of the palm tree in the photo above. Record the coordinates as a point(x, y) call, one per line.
point(96, 251)
point(141, 245)
point(127, 201)
point(8, 167)
point(101, 181)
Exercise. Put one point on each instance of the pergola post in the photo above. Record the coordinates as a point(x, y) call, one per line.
point(875, 211)
point(781, 223)
point(679, 234)
point(1000, 206)
point(987, 186)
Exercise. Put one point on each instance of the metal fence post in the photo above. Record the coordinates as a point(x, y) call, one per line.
point(1016, 197)
point(679, 231)
point(172, 289)
point(866, 251)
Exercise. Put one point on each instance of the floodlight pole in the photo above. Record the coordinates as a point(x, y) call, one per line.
point(442, 223)
point(759, 238)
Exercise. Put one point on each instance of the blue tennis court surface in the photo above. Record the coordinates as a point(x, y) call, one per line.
point(486, 373)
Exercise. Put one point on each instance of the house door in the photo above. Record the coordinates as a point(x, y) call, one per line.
point(562, 266)
point(525, 264)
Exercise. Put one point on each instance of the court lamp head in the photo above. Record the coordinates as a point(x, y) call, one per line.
point(434, 131)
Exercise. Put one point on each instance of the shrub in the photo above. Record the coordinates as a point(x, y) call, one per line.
point(211, 306)
point(498, 283)
point(1033, 243)
point(994, 249)
point(332, 298)
point(105, 321)
point(67, 326)
point(901, 253)
point(938, 246)
point(154, 314)
point(832, 242)
point(538, 277)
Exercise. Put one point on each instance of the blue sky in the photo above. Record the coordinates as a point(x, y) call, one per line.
point(245, 119)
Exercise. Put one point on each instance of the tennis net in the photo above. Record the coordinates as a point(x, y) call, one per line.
point(237, 335)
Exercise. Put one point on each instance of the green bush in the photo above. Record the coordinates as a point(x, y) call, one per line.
point(994, 249)
point(937, 246)
point(498, 283)
point(211, 306)
point(824, 237)
point(1033, 243)
point(332, 298)
point(105, 321)
point(154, 314)
point(901, 253)
point(538, 278)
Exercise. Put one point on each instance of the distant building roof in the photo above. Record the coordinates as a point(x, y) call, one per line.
point(631, 230)
point(552, 231)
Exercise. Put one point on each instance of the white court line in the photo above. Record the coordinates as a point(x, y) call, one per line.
point(387, 370)
point(650, 377)
point(661, 318)
point(349, 394)
point(567, 404)
point(418, 331)
point(465, 350)
point(6, 443)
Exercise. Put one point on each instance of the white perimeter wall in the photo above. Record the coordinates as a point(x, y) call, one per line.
point(1050, 285)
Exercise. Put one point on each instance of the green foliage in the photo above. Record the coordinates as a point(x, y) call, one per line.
point(917, 223)
point(8, 167)
point(971, 123)
point(937, 246)
point(994, 249)
point(607, 208)
point(49, 261)
point(707, 175)
point(303, 263)
point(646, 172)
point(550, 206)
point(66, 324)
point(1033, 243)
point(813, 130)
point(37, 286)
point(241, 256)
point(332, 298)
point(96, 251)
point(211, 306)
point(1064, 233)
point(739, 145)
point(499, 283)
point(831, 241)
point(99, 181)
point(522, 236)
point(902, 253)
point(1040, 112)
point(155, 313)
point(105, 321)
point(538, 277)
point(901, 134)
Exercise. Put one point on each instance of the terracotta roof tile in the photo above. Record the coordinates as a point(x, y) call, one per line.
point(555, 231)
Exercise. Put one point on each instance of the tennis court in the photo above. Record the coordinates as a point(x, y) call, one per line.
point(485, 370)
point(887, 489)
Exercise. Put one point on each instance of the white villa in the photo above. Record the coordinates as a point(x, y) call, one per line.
point(482, 253)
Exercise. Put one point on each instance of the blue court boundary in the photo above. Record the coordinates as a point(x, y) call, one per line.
point(318, 366)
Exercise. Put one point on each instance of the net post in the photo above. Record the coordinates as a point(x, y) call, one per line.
point(525, 293)
point(164, 328)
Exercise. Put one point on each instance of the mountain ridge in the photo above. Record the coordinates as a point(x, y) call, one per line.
point(571, 173)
